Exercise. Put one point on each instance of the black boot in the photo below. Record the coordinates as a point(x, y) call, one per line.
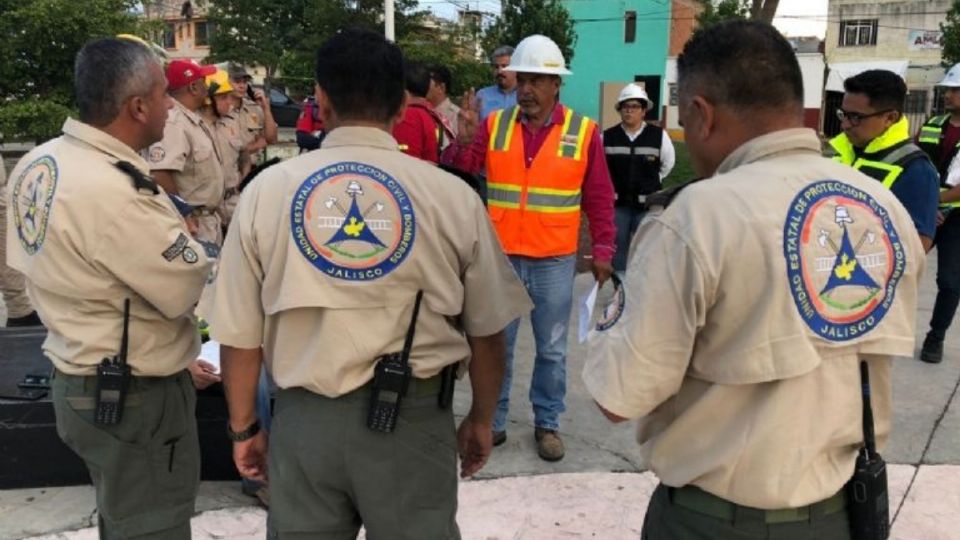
point(27, 320)
point(932, 351)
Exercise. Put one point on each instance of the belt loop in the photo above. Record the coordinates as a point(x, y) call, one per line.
point(749, 519)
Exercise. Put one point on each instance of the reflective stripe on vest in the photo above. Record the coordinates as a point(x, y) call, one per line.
point(625, 151)
point(931, 131)
point(535, 204)
point(954, 204)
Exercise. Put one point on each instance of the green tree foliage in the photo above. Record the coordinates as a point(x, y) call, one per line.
point(950, 42)
point(522, 18)
point(715, 11)
point(40, 41)
point(284, 35)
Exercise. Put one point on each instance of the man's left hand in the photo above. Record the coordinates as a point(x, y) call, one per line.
point(250, 457)
point(474, 443)
point(260, 98)
point(602, 270)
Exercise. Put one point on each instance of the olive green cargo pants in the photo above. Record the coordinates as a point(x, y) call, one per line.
point(329, 473)
point(146, 468)
point(685, 517)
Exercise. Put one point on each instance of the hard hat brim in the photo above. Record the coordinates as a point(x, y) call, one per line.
point(539, 70)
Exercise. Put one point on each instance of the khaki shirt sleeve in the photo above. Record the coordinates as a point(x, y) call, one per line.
point(640, 361)
point(493, 294)
point(234, 310)
point(148, 248)
point(172, 152)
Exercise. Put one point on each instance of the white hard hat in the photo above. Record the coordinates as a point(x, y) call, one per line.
point(538, 54)
point(953, 77)
point(634, 91)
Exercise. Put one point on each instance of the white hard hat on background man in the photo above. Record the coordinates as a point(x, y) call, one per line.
point(538, 54)
point(953, 77)
point(634, 91)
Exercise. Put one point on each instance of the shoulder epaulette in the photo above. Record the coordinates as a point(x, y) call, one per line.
point(663, 198)
point(140, 180)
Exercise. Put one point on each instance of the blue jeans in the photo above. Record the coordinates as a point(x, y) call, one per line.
point(627, 219)
point(947, 241)
point(549, 283)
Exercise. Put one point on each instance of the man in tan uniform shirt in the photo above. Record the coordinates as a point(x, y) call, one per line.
point(318, 278)
point(19, 310)
point(224, 124)
point(187, 162)
point(89, 229)
point(750, 300)
point(254, 116)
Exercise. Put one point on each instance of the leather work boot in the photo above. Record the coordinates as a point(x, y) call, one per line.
point(549, 444)
point(932, 351)
point(499, 437)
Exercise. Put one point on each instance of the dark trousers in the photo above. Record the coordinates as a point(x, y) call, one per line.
point(146, 469)
point(947, 241)
point(627, 220)
point(667, 520)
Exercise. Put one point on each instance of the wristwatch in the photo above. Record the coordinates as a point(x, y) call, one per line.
point(240, 436)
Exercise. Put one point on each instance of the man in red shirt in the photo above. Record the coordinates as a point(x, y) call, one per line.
point(309, 126)
point(421, 132)
point(544, 164)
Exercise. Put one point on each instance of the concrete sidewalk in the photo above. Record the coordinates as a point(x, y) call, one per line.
point(600, 489)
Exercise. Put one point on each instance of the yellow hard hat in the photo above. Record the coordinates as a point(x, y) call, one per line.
point(218, 83)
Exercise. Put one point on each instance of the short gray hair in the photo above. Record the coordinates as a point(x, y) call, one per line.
point(503, 50)
point(108, 72)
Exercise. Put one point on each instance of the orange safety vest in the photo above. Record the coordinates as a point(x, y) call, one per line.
point(536, 209)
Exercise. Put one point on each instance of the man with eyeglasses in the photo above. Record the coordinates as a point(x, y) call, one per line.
point(876, 141)
point(503, 94)
point(639, 156)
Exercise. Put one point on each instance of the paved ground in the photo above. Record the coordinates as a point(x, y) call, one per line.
point(599, 490)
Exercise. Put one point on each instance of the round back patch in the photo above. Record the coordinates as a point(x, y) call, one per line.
point(844, 259)
point(353, 221)
point(32, 197)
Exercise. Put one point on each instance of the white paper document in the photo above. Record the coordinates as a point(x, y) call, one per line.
point(587, 304)
point(210, 352)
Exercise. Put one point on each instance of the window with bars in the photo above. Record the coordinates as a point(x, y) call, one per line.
point(858, 33)
point(916, 102)
point(937, 106)
point(203, 31)
point(169, 36)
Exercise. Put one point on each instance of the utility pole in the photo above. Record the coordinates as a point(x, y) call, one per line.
point(388, 20)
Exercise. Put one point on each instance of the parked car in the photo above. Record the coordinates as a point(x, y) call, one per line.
point(285, 110)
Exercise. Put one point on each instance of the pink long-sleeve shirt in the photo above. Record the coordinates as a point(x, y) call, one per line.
point(597, 192)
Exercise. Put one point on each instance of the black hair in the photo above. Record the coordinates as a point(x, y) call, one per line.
point(417, 78)
point(885, 89)
point(741, 64)
point(107, 73)
point(441, 75)
point(363, 75)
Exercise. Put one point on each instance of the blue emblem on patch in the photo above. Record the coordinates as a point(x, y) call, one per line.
point(353, 221)
point(844, 259)
point(32, 197)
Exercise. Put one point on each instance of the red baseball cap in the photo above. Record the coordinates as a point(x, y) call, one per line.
point(183, 72)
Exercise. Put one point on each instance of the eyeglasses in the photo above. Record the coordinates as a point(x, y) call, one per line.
point(855, 118)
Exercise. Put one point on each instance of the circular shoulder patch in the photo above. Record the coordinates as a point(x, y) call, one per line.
point(157, 153)
point(32, 197)
point(353, 221)
point(611, 314)
point(844, 259)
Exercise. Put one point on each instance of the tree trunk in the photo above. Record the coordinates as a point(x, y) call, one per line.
point(764, 10)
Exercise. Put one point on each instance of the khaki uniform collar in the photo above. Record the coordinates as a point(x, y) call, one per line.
point(360, 136)
point(104, 142)
point(764, 146)
point(191, 115)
